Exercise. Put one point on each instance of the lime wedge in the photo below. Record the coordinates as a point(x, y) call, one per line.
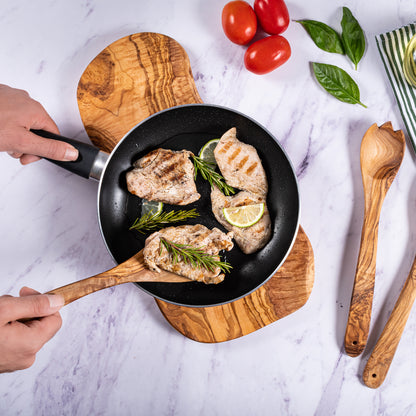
point(244, 216)
point(151, 206)
point(207, 151)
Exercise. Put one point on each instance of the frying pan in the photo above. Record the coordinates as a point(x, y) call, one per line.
point(190, 127)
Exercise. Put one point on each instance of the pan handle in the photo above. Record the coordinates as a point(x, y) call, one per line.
point(90, 162)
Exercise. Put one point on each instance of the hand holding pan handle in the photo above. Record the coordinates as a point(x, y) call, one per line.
point(90, 162)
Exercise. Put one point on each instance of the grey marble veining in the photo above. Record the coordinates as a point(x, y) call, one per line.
point(115, 353)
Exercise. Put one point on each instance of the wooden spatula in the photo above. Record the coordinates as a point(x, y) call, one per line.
point(132, 270)
point(382, 151)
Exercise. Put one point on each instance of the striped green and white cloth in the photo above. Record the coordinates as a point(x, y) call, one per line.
point(392, 46)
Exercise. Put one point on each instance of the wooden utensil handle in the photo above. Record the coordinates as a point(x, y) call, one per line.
point(132, 270)
point(379, 362)
point(129, 271)
point(84, 287)
point(359, 317)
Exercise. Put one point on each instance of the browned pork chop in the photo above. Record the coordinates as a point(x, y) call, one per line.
point(212, 241)
point(249, 239)
point(240, 164)
point(164, 176)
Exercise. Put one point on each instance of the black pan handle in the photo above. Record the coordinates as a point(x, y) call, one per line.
point(90, 160)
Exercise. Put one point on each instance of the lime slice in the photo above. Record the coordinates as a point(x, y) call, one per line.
point(207, 151)
point(151, 206)
point(244, 216)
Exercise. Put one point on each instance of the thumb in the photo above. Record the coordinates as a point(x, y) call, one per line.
point(31, 306)
point(48, 148)
point(26, 291)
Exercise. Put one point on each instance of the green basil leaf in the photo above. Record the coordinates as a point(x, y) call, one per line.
point(323, 35)
point(337, 82)
point(352, 36)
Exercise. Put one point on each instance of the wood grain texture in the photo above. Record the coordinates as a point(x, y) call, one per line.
point(133, 78)
point(130, 271)
point(382, 356)
point(382, 151)
point(287, 291)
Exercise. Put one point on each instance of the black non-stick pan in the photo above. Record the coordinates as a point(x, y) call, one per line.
point(190, 127)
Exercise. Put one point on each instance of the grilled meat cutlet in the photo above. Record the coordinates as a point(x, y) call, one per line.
point(241, 167)
point(249, 239)
point(164, 176)
point(240, 164)
point(212, 242)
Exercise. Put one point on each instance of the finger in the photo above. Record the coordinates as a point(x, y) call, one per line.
point(31, 306)
point(43, 329)
point(26, 291)
point(34, 334)
point(43, 121)
point(49, 148)
point(26, 159)
point(15, 155)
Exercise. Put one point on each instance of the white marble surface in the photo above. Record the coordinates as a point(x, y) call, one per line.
point(115, 354)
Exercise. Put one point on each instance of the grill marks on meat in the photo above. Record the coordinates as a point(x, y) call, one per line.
point(240, 164)
point(212, 242)
point(250, 239)
point(164, 176)
point(168, 176)
point(241, 167)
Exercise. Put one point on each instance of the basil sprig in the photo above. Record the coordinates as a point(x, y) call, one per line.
point(324, 36)
point(352, 37)
point(337, 82)
point(351, 42)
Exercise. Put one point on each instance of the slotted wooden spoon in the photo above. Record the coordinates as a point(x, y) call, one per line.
point(132, 270)
point(382, 356)
point(382, 151)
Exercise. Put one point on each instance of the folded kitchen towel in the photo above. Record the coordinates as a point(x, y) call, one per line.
point(392, 46)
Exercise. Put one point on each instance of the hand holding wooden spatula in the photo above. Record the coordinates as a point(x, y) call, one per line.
point(382, 151)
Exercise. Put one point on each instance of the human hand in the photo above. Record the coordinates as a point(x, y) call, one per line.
point(19, 342)
point(18, 114)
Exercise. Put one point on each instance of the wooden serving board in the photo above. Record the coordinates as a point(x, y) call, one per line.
point(133, 78)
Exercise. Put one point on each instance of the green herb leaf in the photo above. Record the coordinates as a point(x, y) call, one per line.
point(151, 221)
point(324, 36)
point(214, 178)
point(352, 36)
point(337, 82)
point(195, 256)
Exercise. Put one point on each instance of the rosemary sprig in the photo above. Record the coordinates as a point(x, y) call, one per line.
point(151, 222)
point(194, 256)
point(209, 174)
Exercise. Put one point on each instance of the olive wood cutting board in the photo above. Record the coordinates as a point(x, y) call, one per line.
point(133, 78)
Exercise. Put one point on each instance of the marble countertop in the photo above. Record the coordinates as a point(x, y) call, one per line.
point(115, 353)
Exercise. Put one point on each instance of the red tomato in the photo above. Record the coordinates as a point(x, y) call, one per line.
point(267, 54)
point(239, 22)
point(273, 15)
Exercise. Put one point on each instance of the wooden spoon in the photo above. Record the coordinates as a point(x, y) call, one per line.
point(382, 151)
point(379, 362)
point(132, 270)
